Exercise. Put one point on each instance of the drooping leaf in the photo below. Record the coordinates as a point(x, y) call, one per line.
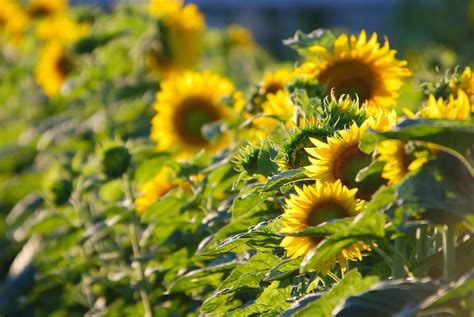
point(284, 178)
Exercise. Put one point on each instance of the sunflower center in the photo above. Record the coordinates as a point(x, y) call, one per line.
point(348, 163)
point(326, 211)
point(40, 11)
point(350, 77)
point(273, 88)
point(195, 112)
point(64, 66)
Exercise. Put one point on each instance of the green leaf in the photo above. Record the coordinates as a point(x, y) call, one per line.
point(265, 163)
point(388, 298)
point(263, 235)
point(245, 278)
point(282, 270)
point(301, 42)
point(284, 178)
point(205, 277)
point(324, 229)
point(441, 189)
point(453, 136)
point(322, 306)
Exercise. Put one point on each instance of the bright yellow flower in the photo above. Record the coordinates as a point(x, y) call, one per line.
point(42, 8)
point(184, 105)
point(313, 205)
point(275, 81)
point(240, 36)
point(453, 108)
point(355, 65)
point(151, 191)
point(53, 68)
point(61, 28)
point(465, 82)
point(398, 162)
point(13, 21)
point(182, 37)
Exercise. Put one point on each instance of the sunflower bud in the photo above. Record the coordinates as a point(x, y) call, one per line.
point(59, 191)
point(115, 161)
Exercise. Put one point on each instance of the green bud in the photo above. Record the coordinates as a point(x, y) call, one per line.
point(59, 191)
point(115, 161)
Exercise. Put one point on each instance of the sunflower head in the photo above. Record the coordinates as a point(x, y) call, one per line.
point(61, 28)
point(359, 67)
point(292, 153)
point(313, 205)
point(186, 104)
point(340, 158)
point(176, 45)
point(240, 36)
point(13, 21)
point(463, 81)
point(271, 84)
point(399, 160)
point(152, 190)
point(44, 8)
point(452, 108)
point(54, 66)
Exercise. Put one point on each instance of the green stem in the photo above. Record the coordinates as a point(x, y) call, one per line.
point(398, 269)
point(134, 238)
point(421, 247)
point(448, 251)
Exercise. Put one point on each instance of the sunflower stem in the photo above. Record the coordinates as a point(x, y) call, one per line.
point(421, 247)
point(449, 245)
point(137, 254)
point(334, 276)
point(398, 270)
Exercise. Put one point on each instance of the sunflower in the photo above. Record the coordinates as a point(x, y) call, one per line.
point(151, 191)
point(53, 68)
point(61, 28)
point(453, 108)
point(398, 162)
point(181, 31)
point(42, 8)
point(13, 21)
point(355, 65)
point(340, 158)
point(465, 82)
point(184, 105)
point(240, 36)
point(313, 205)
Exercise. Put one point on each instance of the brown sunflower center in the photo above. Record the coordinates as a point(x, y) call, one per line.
point(40, 11)
point(273, 88)
point(325, 211)
point(350, 77)
point(194, 113)
point(348, 163)
point(64, 66)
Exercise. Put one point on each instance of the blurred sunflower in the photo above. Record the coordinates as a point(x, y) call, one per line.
point(42, 8)
point(184, 105)
point(465, 82)
point(240, 36)
point(272, 82)
point(398, 162)
point(61, 28)
point(340, 158)
point(151, 191)
point(181, 30)
point(453, 108)
point(13, 21)
point(355, 65)
point(53, 68)
point(313, 205)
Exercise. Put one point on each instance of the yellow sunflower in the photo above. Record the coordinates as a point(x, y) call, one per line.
point(239, 35)
point(13, 21)
point(151, 191)
point(184, 105)
point(273, 82)
point(181, 36)
point(61, 28)
point(42, 8)
point(453, 108)
point(355, 65)
point(53, 68)
point(398, 162)
point(465, 82)
point(313, 205)
point(340, 158)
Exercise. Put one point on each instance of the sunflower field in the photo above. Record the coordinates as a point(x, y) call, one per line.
point(153, 166)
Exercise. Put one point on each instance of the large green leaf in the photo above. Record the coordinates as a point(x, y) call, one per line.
point(388, 298)
point(284, 178)
point(322, 306)
point(453, 136)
